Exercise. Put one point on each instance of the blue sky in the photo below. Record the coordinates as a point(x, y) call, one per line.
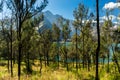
point(66, 7)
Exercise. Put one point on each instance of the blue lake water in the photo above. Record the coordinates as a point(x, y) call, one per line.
point(100, 59)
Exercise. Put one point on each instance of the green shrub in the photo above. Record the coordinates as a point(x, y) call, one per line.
point(115, 76)
point(53, 66)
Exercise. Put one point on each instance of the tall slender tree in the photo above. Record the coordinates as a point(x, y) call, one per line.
point(7, 26)
point(76, 32)
point(81, 14)
point(56, 37)
point(66, 35)
point(24, 9)
point(11, 40)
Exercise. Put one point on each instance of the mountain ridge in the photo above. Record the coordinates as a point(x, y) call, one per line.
point(50, 18)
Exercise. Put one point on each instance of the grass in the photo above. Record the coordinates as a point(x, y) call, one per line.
point(51, 73)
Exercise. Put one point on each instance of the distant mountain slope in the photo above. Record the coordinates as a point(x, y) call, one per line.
point(49, 19)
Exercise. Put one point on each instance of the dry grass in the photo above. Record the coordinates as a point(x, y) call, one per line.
point(54, 74)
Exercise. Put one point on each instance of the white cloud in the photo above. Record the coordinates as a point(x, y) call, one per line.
point(115, 23)
point(115, 27)
point(112, 17)
point(111, 5)
point(118, 18)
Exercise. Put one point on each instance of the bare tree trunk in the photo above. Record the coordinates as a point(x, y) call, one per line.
point(40, 62)
point(103, 61)
point(40, 65)
point(108, 63)
point(11, 51)
point(28, 63)
point(47, 58)
point(58, 53)
point(83, 53)
point(13, 58)
point(115, 60)
point(98, 33)
point(44, 55)
point(66, 61)
point(76, 53)
point(89, 61)
point(8, 57)
point(19, 46)
point(73, 62)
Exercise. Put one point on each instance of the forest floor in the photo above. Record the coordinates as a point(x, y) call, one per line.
point(53, 73)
